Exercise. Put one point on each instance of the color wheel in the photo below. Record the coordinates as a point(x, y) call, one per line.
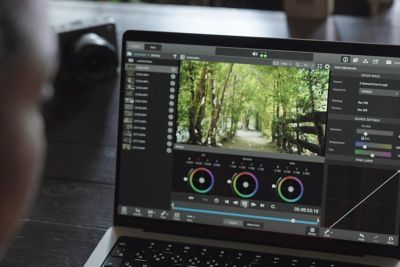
point(201, 180)
point(245, 184)
point(290, 189)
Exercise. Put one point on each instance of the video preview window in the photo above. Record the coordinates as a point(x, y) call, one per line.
point(252, 107)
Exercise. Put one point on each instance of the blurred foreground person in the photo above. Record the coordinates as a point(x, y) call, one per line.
point(27, 49)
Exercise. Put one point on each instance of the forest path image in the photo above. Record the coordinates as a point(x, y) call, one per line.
point(252, 107)
point(250, 140)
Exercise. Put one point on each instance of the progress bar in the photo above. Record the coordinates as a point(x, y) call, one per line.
point(234, 214)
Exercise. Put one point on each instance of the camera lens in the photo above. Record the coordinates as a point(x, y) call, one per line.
point(94, 59)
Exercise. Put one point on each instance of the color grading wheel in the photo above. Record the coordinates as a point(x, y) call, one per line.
point(290, 189)
point(201, 180)
point(245, 184)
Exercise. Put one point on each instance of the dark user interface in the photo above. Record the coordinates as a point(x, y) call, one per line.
point(279, 141)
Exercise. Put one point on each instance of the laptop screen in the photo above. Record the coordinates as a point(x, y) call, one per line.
point(293, 142)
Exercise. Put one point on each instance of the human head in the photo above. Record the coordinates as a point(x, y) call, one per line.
point(27, 49)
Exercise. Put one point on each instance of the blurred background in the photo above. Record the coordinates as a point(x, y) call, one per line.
point(357, 8)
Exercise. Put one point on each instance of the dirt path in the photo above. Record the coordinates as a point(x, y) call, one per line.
point(250, 140)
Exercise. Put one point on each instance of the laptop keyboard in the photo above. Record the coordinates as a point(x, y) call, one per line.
point(136, 252)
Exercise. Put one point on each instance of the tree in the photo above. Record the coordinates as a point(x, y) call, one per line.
point(197, 93)
point(217, 101)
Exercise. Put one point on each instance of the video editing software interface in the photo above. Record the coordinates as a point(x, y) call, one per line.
point(280, 141)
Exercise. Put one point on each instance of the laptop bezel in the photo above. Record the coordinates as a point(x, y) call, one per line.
point(234, 234)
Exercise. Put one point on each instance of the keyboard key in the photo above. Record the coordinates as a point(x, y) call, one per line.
point(112, 262)
point(118, 252)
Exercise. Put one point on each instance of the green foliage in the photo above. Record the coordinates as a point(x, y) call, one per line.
point(224, 98)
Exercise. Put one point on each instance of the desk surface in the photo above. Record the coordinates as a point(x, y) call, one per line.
point(74, 205)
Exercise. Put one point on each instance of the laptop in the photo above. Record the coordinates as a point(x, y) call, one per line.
point(242, 151)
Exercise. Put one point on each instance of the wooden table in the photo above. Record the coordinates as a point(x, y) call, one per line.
point(74, 205)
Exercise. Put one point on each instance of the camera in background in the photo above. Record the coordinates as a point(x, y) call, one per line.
point(87, 76)
point(88, 53)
